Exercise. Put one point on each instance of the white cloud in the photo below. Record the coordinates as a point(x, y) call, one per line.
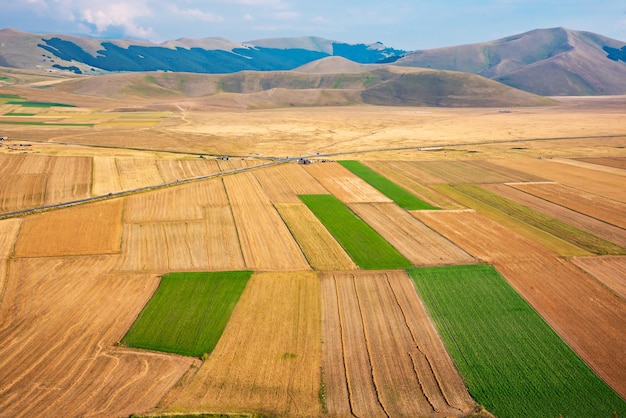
point(121, 15)
point(248, 17)
point(197, 14)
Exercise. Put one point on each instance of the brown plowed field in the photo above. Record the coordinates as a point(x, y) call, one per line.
point(598, 207)
point(268, 359)
point(617, 162)
point(591, 181)
point(610, 270)
point(400, 172)
point(343, 184)
point(172, 170)
point(59, 320)
point(594, 226)
point(417, 242)
point(86, 229)
point(588, 316)
point(283, 183)
point(576, 162)
point(511, 174)
point(22, 191)
point(266, 243)
point(319, 247)
point(381, 353)
point(8, 233)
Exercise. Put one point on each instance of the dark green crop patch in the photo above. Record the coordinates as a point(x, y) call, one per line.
point(399, 195)
point(367, 248)
point(188, 312)
point(512, 362)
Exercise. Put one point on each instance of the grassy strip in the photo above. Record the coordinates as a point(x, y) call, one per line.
point(398, 194)
point(367, 248)
point(20, 122)
point(188, 312)
point(567, 232)
point(513, 363)
point(38, 104)
point(20, 114)
point(8, 96)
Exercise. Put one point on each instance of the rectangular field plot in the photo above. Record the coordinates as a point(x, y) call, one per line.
point(268, 359)
point(586, 314)
point(512, 362)
point(188, 312)
point(367, 248)
point(320, 248)
point(609, 269)
point(565, 231)
point(399, 195)
point(283, 183)
point(462, 172)
point(93, 228)
point(381, 353)
point(8, 234)
point(172, 170)
point(417, 242)
point(599, 207)
point(266, 242)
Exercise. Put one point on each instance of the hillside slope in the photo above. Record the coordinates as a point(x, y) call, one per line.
point(383, 85)
point(549, 62)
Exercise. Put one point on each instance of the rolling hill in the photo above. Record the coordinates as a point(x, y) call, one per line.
point(549, 62)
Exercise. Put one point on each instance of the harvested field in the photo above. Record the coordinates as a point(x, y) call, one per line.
point(590, 166)
point(607, 269)
point(616, 162)
point(237, 163)
point(81, 230)
point(321, 250)
point(509, 173)
point(283, 183)
point(461, 172)
point(59, 321)
point(106, 176)
point(417, 242)
point(599, 207)
point(138, 172)
point(381, 354)
point(172, 170)
point(593, 226)
point(346, 186)
point(8, 234)
point(518, 359)
point(22, 191)
point(585, 313)
point(536, 219)
point(399, 172)
point(591, 181)
point(265, 240)
point(268, 359)
point(69, 179)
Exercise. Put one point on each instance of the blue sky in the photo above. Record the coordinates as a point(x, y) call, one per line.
point(403, 24)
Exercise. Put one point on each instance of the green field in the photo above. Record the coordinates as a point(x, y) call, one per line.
point(38, 104)
point(188, 312)
point(363, 244)
point(399, 195)
point(560, 229)
point(512, 362)
point(25, 122)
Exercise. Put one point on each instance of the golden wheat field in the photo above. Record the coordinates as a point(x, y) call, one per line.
point(92, 216)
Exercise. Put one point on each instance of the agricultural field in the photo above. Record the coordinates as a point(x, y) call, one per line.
point(498, 341)
point(329, 323)
point(176, 318)
point(367, 248)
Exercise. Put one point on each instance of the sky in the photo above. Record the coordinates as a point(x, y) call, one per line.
point(402, 24)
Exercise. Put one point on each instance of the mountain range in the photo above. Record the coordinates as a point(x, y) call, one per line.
point(546, 62)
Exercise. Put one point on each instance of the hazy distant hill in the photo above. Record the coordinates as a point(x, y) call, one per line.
point(544, 61)
point(379, 85)
point(211, 55)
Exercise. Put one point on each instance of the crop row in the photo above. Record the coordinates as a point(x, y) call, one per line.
point(367, 248)
point(513, 363)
